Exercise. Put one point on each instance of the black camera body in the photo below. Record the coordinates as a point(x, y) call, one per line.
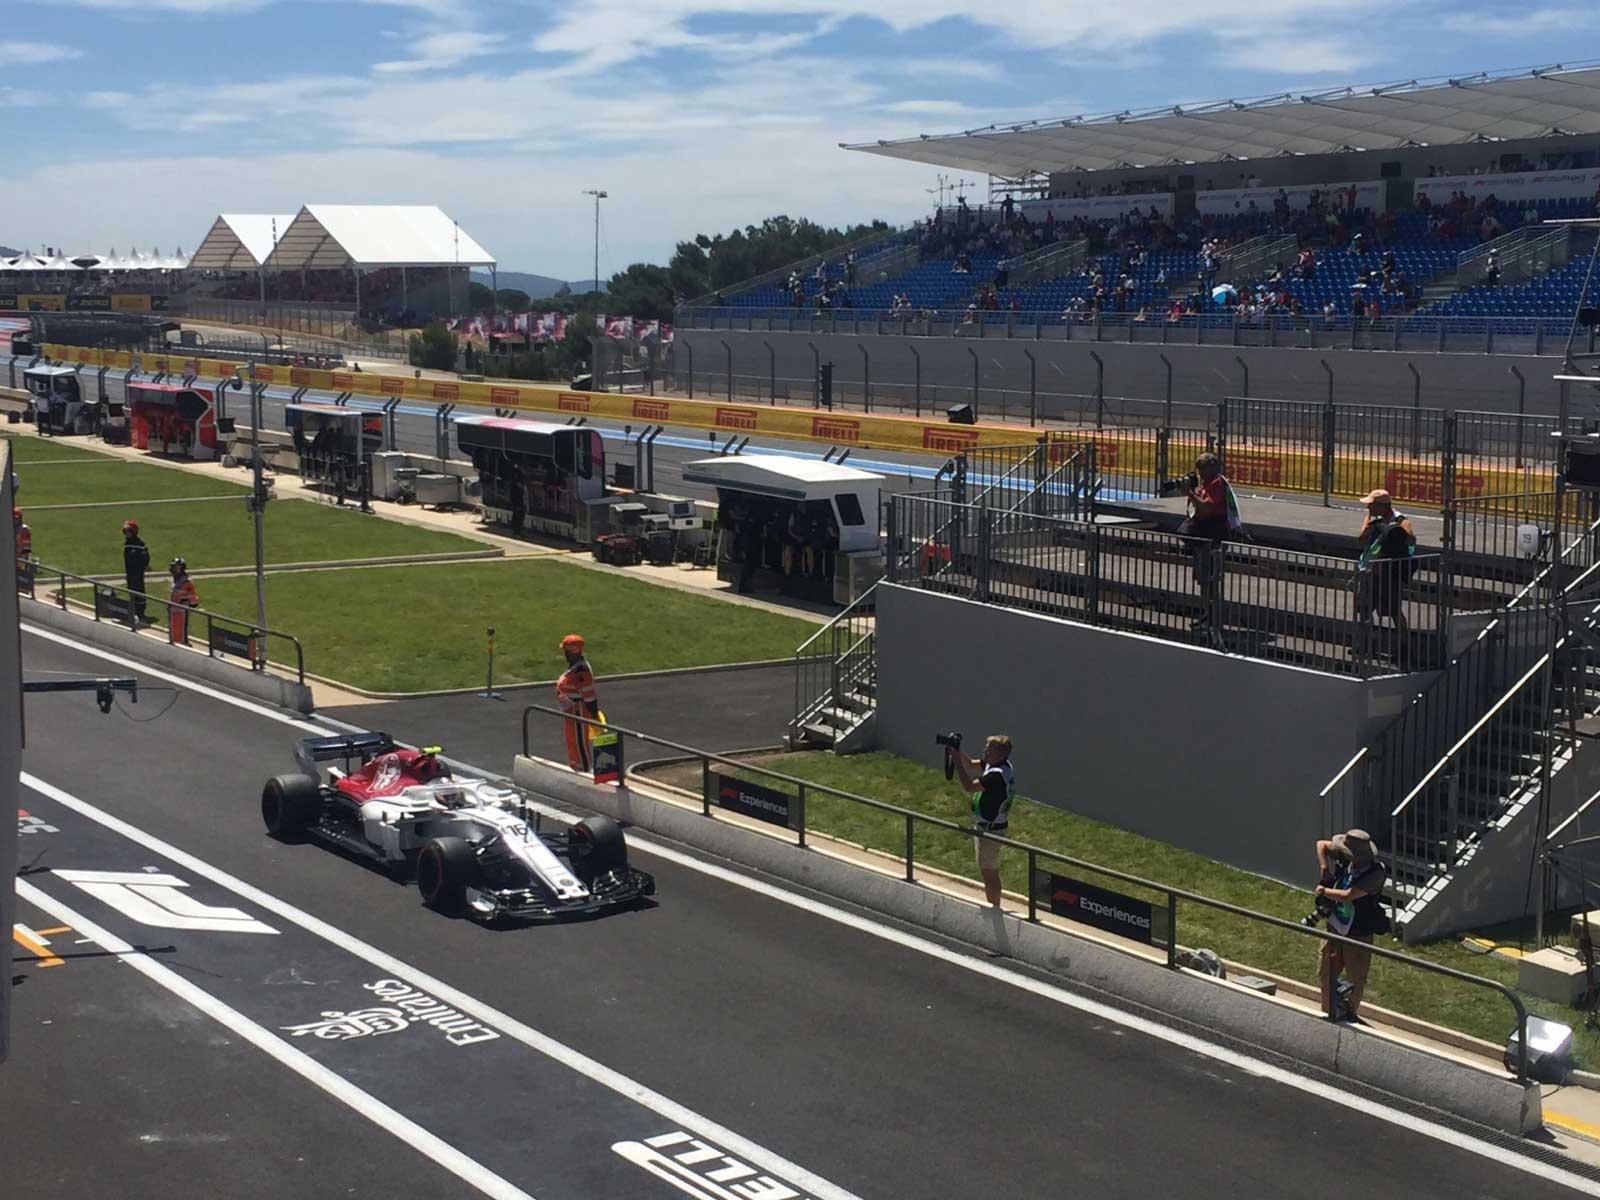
point(1180, 486)
point(952, 746)
point(1320, 912)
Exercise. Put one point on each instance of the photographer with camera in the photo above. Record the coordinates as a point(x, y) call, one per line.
point(1349, 899)
point(1388, 549)
point(992, 785)
point(1213, 516)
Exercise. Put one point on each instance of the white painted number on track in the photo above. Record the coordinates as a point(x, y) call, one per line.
point(156, 900)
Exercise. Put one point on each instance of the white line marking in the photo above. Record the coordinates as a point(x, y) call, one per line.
point(380, 1114)
point(1016, 979)
point(678, 1114)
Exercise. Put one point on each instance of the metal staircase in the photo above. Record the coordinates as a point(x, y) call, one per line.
point(1464, 765)
point(836, 681)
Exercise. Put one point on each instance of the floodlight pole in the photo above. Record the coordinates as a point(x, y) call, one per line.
point(598, 195)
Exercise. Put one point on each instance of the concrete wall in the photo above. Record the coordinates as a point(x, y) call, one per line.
point(1215, 753)
point(10, 741)
point(1067, 372)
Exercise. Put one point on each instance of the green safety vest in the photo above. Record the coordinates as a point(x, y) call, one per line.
point(1004, 815)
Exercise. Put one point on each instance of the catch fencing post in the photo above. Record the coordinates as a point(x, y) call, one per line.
point(1416, 409)
point(1522, 409)
point(1099, 391)
point(800, 814)
point(1327, 438)
point(1033, 388)
point(1033, 899)
point(911, 873)
point(916, 376)
point(729, 349)
point(975, 368)
point(816, 375)
point(772, 372)
point(866, 378)
point(1172, 930)
point(1167, 415)
point(689, 346)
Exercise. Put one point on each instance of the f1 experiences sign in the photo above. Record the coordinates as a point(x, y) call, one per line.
point(1111, 911)
point(752, 800)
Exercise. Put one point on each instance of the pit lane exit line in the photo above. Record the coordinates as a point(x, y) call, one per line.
point(467, 1169)
point(981, 966)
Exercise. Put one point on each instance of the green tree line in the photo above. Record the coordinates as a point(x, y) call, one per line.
point(701, 265)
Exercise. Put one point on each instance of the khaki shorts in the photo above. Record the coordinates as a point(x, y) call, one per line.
point(989, 853)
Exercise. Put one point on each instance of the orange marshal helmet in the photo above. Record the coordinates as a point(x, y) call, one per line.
point(572, 642)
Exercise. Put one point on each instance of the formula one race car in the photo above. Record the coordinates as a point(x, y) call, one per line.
point(469, 844)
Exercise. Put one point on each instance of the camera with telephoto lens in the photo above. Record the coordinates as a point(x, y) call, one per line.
point(1321, 910)
point(952, 746)
point(1181, 486)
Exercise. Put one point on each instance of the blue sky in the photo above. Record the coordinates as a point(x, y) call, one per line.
point(134, 122)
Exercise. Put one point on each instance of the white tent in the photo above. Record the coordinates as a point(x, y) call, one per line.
point(372, 237)
point(60, 262)
point(240, 241)
point(28, 261)
point(111, 262)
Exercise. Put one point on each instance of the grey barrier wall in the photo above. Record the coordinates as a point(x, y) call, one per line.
point(1065, 373)
point(1215, 753)
point(10, 741)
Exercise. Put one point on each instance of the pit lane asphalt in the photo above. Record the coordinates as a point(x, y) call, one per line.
point(887, 1072)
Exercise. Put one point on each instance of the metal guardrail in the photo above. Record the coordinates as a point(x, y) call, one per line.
point(882, 239)
point(1035, 855)
point(120, 606)
point(1279, 605)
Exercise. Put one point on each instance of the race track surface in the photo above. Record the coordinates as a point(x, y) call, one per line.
point(297, 1024)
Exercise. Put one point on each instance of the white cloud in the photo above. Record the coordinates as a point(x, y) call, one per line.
point(1538, 23)
point(11, 97)
point(1296, 54)
point(31, 54)
point(199, 7)
point(927, 107)
point(440, 50)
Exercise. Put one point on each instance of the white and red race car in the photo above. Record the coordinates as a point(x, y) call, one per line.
point(469, 844)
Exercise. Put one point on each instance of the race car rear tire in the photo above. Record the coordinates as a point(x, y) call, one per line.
point(290, 803)
point(445, 866)
point(596, 845)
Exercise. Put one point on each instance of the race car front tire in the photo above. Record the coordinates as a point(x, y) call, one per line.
point(596, 845)
point(445, 867)
point(289, 803)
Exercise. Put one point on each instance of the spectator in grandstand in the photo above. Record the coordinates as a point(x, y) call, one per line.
point(850, 268)
point(1352, 879)
point(1008, 207)
point(1213, 515)
point(1491, 269)
point(992, 785)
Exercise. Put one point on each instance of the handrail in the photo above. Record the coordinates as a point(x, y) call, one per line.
point(1345, 770)
point(800, 264)
point(1036, 853)
point(840, 616)
point(257, 664)
point(1476, 726)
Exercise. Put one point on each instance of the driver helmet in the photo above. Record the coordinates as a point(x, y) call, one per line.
point(130, 528)
point(426, 764)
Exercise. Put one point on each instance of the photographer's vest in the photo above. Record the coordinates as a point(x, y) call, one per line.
point(1003, 817)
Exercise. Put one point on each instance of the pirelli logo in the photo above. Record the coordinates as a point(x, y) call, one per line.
point(266, 374)
point(935, 437)
point(343, 382)
point(505, 396)
point(652, 410)
point(85, 356)
point(446, 391)
point(299, 377)
point(836, 429)
point(160, 365)
point(392, 385)
point(192, 367)
point(225, 369)
point(1425, 485)
point(572, 402)
point(736, 418)
point(1255, 467)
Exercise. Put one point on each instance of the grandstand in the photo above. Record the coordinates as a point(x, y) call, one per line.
point(1375, 200)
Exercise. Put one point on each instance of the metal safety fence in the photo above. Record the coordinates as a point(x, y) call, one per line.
point(1308, 609)
point(793, 813)
point(218, 635)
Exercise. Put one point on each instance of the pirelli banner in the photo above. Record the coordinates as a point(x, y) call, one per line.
point(57, 302)
point(1130, 453)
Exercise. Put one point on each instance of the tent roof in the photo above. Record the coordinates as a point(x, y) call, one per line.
point(334, 236)
point(239, 241)
point(780, 475)
point(1486, 107)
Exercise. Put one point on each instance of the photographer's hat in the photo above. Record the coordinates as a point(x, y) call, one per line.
point(1357, 844)
point(1377, 496)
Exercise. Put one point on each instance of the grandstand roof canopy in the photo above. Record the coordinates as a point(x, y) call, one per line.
point(333, 236)
point(239, 241)
point(1487, 107)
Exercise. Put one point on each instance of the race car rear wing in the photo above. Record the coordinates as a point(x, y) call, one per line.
point(350, 747)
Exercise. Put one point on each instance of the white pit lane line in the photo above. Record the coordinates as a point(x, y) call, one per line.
point(1060, 995)
point(675, 1113)
point(468, 1170)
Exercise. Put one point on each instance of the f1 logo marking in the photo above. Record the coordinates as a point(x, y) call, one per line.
point(156, 900)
